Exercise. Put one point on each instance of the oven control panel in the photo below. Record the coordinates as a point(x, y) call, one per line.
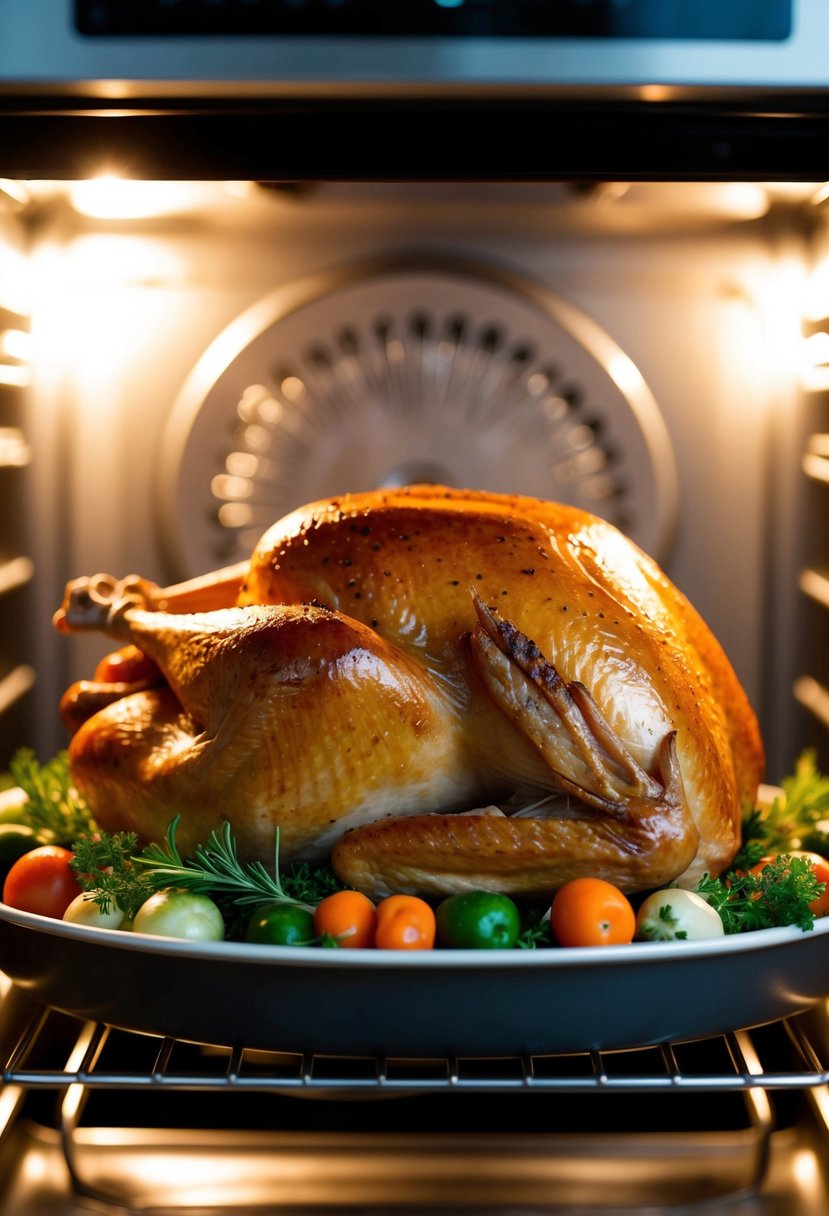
point(768, 20)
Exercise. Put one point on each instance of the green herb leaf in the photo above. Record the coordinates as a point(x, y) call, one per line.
point(213, 870)
point(792, 817)
point(55, 810)
point(103, 865)
point(779, 895)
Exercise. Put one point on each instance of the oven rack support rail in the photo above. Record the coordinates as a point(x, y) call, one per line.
point(737, 1066)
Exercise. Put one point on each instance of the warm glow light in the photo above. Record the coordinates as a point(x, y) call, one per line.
point(744, 200)
point(15, 344)
point(110, 197)
point(14, 280)
point(814, 374)
point(765, 323)
point(234, 515)
point(15, 375)
point(816, 302)
point(625, 373)
point(816, 347)
point(807, 1172)
point(14, 190)
point(90, 312)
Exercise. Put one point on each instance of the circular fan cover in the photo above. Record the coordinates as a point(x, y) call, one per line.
point(409, 371)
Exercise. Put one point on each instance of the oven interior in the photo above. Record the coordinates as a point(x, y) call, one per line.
point(180, 363)
point(97, 1118)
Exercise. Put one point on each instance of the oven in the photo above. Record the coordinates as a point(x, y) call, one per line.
point(253, 254)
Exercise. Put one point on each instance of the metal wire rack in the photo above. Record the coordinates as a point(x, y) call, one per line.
point(285, 1159)
point(730, 1062)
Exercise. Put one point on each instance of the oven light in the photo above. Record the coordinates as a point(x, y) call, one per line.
point(110, 197)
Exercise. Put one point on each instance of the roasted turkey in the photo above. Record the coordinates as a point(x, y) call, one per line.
point(440, 689)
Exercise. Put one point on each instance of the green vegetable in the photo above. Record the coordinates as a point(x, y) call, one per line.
point(794, 817)
point(478, 920)
point(55, 809)
point(779, 895)
point(281, 925)
point(171, 913)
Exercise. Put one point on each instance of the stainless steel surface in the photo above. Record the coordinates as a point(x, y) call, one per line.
point(398, 1134)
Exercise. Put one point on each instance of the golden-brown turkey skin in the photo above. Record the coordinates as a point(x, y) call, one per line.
point(665, 751)
point(275, 716)
point(403, 562)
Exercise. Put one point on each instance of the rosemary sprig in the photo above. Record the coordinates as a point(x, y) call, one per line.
point(214, 869)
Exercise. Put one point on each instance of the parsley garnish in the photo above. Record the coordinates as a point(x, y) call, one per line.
point(103, 865)
point(779, 895)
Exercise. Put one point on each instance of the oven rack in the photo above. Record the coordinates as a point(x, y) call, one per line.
point(734, 1061)
point(286, 1164)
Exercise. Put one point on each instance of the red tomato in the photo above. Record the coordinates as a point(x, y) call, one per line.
point(129, 665)
point(592, 912)
point(42, 882)
point(820, 868)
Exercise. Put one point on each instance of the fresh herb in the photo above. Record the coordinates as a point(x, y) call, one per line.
point(666, 930)
point(535, 926)
point(103, 865)
point(793, 821)
point(214, 869)
point(55, 810)
point(779, 894)
point(309, 884)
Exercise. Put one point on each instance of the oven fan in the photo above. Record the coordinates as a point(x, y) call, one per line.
point(409, 371)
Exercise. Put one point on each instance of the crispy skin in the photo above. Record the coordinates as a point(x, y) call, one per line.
point(395, 571)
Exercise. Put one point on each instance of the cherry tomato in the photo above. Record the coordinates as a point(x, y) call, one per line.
point(42, 881)
point(129, 665)
point(592, 912)
point(820, 869)
point(347, 916)
point(478, 920)
point(281, 925)
point(404, 922)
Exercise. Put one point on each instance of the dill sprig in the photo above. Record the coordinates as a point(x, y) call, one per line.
point(214, 869)
point(55, 810)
